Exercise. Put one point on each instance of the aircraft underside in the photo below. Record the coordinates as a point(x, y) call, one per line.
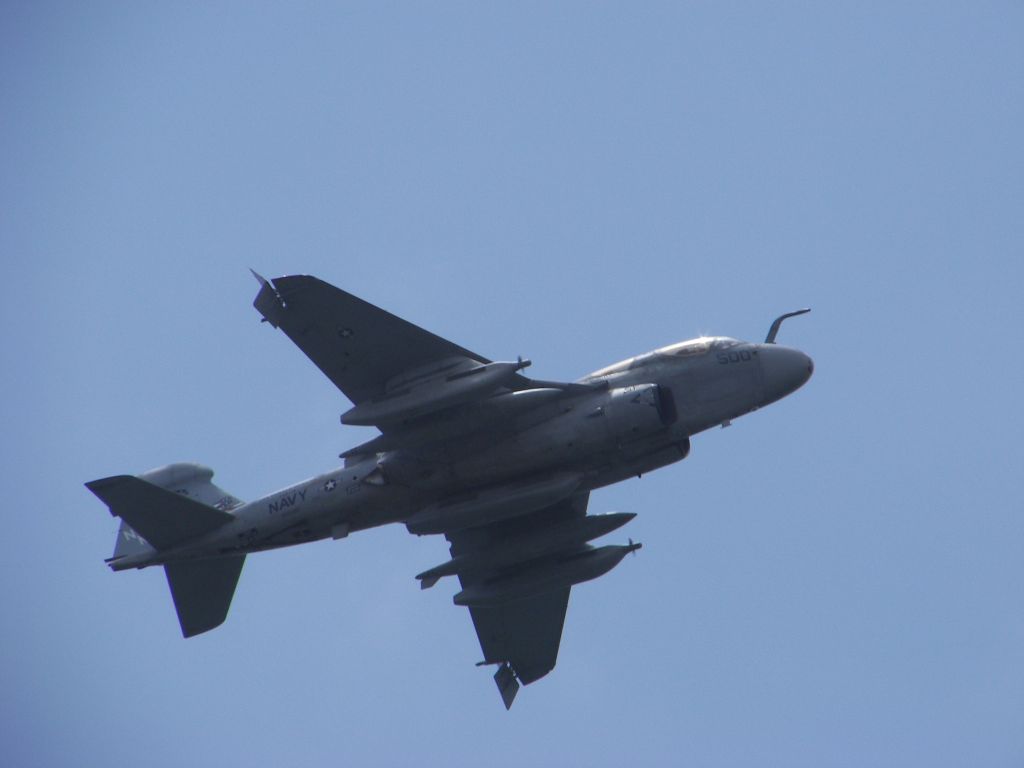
point(499, 464)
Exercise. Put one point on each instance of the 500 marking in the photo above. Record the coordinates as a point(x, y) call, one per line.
point(724, 358)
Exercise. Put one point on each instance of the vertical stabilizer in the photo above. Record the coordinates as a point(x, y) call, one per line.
point(128, 542)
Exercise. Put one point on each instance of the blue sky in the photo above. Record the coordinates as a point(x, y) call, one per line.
point(836, 580)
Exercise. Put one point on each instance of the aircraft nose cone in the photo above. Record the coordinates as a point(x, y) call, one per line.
point(783, 370)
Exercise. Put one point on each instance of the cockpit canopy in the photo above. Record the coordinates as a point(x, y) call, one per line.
point(690, 348)
point(700, 346)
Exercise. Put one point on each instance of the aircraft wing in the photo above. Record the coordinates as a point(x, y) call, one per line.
point(358, 346)
point(523, 635)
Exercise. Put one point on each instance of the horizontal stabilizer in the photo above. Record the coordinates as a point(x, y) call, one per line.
point(202, 591)
point(162, 517)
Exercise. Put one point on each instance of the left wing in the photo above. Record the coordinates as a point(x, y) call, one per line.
point(522, 635)
point(526, 633)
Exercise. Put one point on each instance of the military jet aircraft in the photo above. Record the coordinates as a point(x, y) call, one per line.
point(500, 464)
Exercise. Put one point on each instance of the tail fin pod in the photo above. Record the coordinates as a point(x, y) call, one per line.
point(193, 481)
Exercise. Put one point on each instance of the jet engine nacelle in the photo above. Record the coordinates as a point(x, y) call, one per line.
point(618, 423)
point(637, 411)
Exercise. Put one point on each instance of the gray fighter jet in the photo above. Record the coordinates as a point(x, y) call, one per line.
point(500, 464)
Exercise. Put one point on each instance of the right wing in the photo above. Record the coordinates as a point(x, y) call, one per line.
point(396, 374)
point(358, 346)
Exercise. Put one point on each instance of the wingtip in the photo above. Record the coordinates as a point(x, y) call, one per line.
point(259, 278)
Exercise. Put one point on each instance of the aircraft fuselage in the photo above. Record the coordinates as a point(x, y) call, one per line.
point(624, 420)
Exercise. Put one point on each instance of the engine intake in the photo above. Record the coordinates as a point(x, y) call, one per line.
point(638, 410)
